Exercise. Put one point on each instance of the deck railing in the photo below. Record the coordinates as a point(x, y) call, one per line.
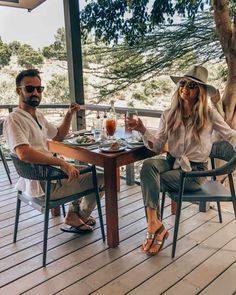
point(92, 107)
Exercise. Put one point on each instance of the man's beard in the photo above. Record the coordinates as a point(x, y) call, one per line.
point(31, 102)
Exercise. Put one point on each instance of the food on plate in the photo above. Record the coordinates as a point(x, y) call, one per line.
point(135, 139)
point(139, 138)
point(85, 139)
point(115, 146)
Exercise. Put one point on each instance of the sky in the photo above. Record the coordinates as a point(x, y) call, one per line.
point(36, 28)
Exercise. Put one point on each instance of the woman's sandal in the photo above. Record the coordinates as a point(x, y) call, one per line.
point(157, 241)
point(149, 236)
point(152, 237)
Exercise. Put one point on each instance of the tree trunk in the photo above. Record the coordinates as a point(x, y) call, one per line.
point(227, 36)
point(229, 97)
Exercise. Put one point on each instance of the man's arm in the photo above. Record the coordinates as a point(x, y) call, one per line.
point(63, 129)
point(25, 153)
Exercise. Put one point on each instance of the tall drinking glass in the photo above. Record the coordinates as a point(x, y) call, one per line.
point(111, 127)
point(131, 120)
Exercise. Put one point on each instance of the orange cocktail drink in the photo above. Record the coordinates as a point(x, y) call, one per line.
point(110, 127)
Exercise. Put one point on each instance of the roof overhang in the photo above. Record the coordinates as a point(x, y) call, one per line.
point(27, 4)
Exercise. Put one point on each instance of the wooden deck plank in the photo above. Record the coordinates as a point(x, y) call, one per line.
point(52, 243)
point(84, 264)
point(224, 284)
point(182, 265)
point(150, 266)
point(73, 260)
point(214, 265)
point(111, 273)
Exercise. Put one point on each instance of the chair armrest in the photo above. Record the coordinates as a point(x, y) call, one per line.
point(224, 169)
point(86, 169)
point(37, 171)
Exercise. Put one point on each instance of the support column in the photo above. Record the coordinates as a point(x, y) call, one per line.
point(74, 58)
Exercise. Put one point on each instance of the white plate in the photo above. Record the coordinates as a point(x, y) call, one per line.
point(106, 148)
point(132, 142)
point(78, 133)
point(74, 141)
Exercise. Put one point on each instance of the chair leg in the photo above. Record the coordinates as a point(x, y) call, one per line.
point(176, 229)
point(18, 203)
point(178, 213)
point(5, 165)
point(63, 210)
point(45, 236)
point(232, 190)
point(163, 203)
point(219, 211)
point(98, 202)
point(46, 219)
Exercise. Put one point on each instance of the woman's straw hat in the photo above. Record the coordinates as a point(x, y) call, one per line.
point(198, 74)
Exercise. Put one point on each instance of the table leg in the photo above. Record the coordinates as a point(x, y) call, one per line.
point(110, 177)
point(118, 179)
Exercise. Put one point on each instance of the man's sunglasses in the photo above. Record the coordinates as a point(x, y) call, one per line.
point(189, 85)
point(31, 88)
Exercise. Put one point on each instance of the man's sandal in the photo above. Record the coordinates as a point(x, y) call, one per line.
point(90, 221)
point(158, 241)
point(81, 229)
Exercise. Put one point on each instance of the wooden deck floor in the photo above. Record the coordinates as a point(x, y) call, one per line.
point(205, 262)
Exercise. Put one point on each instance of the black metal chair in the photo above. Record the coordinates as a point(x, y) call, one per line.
point(4, 161)
point(211, 191)
point(46, 173)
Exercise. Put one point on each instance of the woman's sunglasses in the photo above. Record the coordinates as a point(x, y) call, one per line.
point(189, 85)
point(31, 88)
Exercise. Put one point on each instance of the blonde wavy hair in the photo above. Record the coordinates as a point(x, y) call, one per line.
point(199, 113)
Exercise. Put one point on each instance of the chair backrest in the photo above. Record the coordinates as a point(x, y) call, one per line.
point(223, 150)
point(36, 171)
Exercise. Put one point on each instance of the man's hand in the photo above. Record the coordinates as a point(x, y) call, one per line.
point(74, 107)
point(70, 170)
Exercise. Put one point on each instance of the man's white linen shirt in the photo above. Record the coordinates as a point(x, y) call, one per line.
point(21, 128)
point(183, 146)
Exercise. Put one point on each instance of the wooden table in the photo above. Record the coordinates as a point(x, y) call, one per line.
point(110, 162)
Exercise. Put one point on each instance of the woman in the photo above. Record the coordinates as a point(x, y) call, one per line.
point(187, 128)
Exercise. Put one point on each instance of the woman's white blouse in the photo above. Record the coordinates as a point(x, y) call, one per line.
point(183, 146)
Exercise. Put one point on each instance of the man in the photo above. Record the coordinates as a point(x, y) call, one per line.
point(26, 131)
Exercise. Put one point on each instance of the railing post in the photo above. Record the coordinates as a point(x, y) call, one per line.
point(130, 174)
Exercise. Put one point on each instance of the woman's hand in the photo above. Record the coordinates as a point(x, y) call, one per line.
point(138, 126)
point(70, 170)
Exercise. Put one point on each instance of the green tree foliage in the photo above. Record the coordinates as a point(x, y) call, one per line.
point(57, 50)
point(28, 57)
point(57, 90)
point(14, 46)
point(5, 54)
point(168, 49)
point(133, 19)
